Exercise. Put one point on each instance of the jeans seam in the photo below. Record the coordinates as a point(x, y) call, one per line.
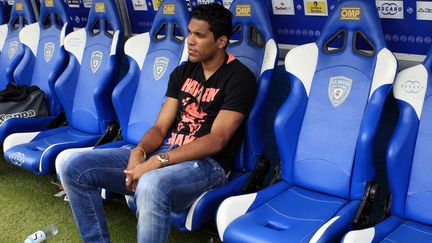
point(97, 220)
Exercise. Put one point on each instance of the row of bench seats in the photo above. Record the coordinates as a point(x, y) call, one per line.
point(324, 131)
point(84, 90)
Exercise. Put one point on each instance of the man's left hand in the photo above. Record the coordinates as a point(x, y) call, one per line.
point(135, 174)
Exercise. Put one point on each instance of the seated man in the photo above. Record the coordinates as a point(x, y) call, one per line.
point(207, 101)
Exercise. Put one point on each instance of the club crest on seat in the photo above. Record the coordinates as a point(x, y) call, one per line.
point(13, 47)
point(159, 67)
point(338, 90)
point(96, 60)
point(17, 158)
point(48, 51)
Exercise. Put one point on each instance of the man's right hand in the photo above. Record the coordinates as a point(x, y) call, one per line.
point(136, 157)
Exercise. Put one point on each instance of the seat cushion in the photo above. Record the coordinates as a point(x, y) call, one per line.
point(292, 216)
point(38, 155)
point(410, 232)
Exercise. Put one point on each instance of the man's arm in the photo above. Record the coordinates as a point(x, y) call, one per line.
point(223, 128)
point(155, 136)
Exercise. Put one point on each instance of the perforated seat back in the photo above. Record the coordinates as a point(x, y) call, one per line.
point(44, 42)
point(253, 44)
point(345, 88)
point(408, 158)
point(152, 57)
point(86, 86)
point(22, 14)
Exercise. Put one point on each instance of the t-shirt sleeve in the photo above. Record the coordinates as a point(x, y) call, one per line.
point(174, 83)
point(240, 92)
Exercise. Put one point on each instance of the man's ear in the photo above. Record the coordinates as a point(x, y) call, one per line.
point(222, 42)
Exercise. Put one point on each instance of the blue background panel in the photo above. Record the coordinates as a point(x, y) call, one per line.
point(404, 33)
point(407, 24)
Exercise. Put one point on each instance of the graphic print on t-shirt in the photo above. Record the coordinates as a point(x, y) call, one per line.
point(192, 116)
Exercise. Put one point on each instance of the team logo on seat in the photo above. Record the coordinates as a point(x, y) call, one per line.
point(159, 67)
point(338, 89)
point(13, 47)
point(96, 60)
point(17, 158)
point(48, 51)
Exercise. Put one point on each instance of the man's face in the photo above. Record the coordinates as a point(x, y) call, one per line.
point(201, 43)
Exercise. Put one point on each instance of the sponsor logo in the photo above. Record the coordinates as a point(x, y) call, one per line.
point(22, 114)
point(19, 6)
point(350, 13)
point(13, 47)
point(315, 8)
point(139, 5)
point(48, 51)
point(338, 90)
point(159, 67)
point(96, 60)
point(227, 3)
point(49, 3)
point(283, 7)
point(169, 9)
point(100, 7)
point(156, 4)
point(189, 5)
point(412, 87)
point(87, 3)
point(410, 10)
point(390, 9)
point(73, 4)
point(243, 10)
point(424, 10)
point(205, 1)
point(17, 158)
point(75, 42)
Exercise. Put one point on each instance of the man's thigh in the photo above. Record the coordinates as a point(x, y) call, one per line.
point(99, 167)
point(183, 183)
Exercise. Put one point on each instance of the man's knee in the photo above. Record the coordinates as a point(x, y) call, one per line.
point(67, 163)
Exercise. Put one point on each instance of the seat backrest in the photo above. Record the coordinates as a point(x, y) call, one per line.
point(22, 14)
point(408, 157)
point(253, 44)
point(85, 87)
point(44, 50)
point(152, 57)
point(325, 129)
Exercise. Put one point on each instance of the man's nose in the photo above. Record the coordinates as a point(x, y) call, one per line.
point(190, 40)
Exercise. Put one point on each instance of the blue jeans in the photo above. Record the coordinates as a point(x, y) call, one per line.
point(159, 192)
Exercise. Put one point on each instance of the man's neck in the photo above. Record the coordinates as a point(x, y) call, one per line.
point(212, 65)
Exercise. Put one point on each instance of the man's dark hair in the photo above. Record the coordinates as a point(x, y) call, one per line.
point(217, 16)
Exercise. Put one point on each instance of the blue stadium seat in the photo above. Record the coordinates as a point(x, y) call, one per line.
point(152, 57)
point(324, 132)
point(44, 60)
point(408, 163)
point(12, 51)
point(84, 90)
point(253, 44)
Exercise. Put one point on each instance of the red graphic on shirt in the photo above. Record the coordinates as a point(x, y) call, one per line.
point(192, 116)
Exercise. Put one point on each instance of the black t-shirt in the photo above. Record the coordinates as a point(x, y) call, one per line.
point(232, 87)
